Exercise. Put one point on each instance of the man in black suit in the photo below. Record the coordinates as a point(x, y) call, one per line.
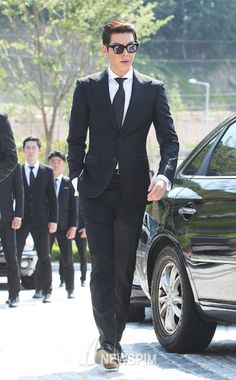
point(67, 220)
point(40, 213)
point(11, 208)
point(117, 106)
point(8, 154)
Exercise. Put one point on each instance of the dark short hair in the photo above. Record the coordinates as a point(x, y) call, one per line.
point(30, 138)
point(57, 153)
point(117, 26)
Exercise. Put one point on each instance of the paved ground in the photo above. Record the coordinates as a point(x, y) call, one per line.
point(57, 342)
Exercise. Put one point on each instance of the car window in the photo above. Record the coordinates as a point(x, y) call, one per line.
point(194, 166)
point(223, 160)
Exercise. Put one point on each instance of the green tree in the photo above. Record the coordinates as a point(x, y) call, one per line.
point(199, 29)
point(48, 44)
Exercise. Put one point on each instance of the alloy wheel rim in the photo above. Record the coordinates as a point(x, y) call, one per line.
point(170, 299)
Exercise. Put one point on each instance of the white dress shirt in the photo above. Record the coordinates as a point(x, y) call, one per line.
point(27, 170)
point(57, 181)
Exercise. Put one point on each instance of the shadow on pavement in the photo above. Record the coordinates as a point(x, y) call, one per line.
point(217, 362)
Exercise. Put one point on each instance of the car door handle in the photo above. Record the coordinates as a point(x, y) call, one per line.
point(186, 212)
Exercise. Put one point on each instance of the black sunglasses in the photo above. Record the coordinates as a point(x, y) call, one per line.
point(119, 49)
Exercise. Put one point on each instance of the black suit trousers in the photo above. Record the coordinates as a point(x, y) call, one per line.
point(81, 244)
point(66, 258)
point(40, 236)
point(8, 237)
point(113, 231)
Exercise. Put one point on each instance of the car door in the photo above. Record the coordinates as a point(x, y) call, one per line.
point(204, 216)
point(149, 228)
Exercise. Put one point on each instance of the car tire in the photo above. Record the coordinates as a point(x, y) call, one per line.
point(136, 313)
point(177, 323)
point(29, 282)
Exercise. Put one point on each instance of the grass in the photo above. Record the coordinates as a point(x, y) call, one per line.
point(56, 253)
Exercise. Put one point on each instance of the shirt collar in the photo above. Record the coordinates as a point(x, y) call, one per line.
point(128, 75)
point(59, 178)
point(36, 165)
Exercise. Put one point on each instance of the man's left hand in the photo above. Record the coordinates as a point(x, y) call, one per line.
point(156, 189)
point(16, 223)
point(52, 227)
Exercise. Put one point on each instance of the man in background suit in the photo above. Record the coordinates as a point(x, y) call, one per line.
point(67, 220)
point(8, 154)
point(117, 106)
point(11, 191)
point(81, 244)
point(40, 213)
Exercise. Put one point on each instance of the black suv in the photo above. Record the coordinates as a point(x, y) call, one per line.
point(186, 258)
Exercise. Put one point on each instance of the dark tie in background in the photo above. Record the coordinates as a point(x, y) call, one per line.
point(119, 101)
point(56, 184)
point(31, 176)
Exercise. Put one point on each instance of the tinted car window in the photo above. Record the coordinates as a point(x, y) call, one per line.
point(223, 160)
point(195, 164)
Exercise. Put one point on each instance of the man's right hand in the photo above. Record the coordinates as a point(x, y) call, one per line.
point(52, 227)
point(16, 223)
point(83, 233)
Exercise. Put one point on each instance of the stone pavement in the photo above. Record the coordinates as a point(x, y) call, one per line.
point(57, 342)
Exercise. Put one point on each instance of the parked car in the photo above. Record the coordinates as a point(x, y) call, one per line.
point(186, 258)
point(28, 264)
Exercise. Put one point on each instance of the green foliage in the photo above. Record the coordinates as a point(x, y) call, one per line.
point(199, 29)
point(56, 253)
point(175, 100)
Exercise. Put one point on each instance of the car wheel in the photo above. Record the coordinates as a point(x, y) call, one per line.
point(136, 313)
point(178, 325)
point(29, 281)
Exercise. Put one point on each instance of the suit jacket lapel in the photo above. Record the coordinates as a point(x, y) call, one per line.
point(101, 90)
point(24, 175)
point(138, 95)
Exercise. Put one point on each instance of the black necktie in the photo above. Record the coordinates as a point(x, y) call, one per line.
point(31, 176)
point(119, 101)
point(56, 184)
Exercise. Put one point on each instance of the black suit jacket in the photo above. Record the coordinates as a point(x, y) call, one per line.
point(67, 202)
point(40, 201)
point(12, 196)
point(109, 144)
point(8, 155)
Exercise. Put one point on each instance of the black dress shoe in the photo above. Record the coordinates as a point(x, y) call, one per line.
point(37, 294)
point(107, 355)
point(70, 294)
point(122, 356)
point(82, 283)
point(46, 297)
point(13, 302)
